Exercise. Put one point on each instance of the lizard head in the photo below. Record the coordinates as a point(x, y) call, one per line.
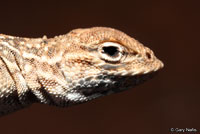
point(103, 61)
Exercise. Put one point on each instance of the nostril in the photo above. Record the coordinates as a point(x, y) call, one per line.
point(148, 55)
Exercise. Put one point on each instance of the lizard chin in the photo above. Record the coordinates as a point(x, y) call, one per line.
point(119, 84)
point(123, 83)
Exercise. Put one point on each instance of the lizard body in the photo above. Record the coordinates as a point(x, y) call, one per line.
point(70, 69)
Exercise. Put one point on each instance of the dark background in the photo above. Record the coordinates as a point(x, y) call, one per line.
point(170, 100)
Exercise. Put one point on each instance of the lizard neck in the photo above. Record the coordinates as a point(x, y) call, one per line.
point(32, 66)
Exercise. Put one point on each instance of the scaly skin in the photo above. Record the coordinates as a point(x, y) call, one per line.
point(71, 69)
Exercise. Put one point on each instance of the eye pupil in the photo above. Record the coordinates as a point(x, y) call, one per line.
point(111, 51)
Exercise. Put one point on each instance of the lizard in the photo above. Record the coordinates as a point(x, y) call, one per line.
point(70, 69)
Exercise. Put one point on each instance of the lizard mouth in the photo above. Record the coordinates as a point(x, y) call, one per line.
point(108, 83)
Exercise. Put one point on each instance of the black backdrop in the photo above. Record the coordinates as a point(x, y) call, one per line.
point(170, 100)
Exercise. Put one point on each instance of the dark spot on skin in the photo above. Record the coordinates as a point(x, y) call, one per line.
point(82, 61)
point(32, 60)
point(83, 48)
point(58, 64)
point(44, 42)
point(135, 53)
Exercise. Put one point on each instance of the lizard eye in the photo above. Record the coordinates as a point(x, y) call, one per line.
point(110, 51)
